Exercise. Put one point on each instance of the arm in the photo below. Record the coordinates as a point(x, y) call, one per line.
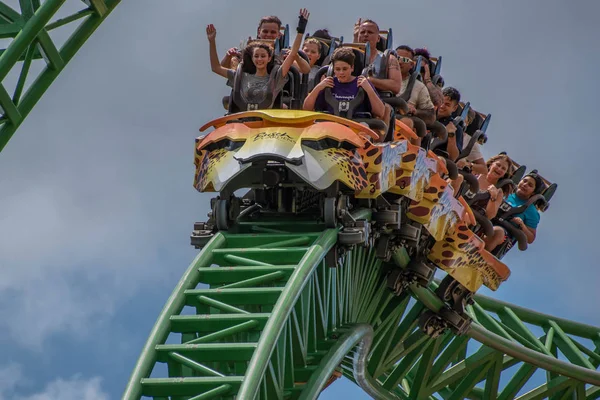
point(311, 99)
point(285, 67)
point(496, 197)
point(428, 116)
point(435, 93)
point(393, 83)
point(478, 166)
point(422, 102)
point(452, 146)
point(302, 64)
point(356, 30)
point(377, 106)
point(215, 66)
point(529, 232)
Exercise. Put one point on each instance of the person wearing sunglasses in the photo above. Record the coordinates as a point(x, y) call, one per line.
point(419, 102)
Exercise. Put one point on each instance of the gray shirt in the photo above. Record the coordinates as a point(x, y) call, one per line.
point(311, 76)
point(254, 89)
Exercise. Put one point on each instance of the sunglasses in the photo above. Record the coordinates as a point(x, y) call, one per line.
point(405, 60)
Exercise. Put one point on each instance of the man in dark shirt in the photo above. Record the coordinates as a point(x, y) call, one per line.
point(445, 116)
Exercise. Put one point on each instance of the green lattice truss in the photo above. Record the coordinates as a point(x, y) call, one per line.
point(29, 31)
point(272, 311)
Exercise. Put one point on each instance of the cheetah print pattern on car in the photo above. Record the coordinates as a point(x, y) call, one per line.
point(469, 266)
point(369, 169)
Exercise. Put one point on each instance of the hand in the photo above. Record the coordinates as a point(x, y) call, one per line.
point(411, 109)
point(461, 163)
point(519, 222)
point(363, 82)
point(325, 83)
point(493, 191)
point(233, 52)
point(451, 128)
point(302, 20)
point(426, 73)
point(211, 32)
point(357, 27)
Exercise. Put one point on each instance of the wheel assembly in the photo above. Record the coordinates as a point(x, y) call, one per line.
point(432, 324)
point(221, 215)
point(329, 212)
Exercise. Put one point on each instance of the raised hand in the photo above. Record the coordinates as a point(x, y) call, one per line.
point(211, 32)
point(357, 28)
point(233, 52)
point(426, 73)
point(302, 20)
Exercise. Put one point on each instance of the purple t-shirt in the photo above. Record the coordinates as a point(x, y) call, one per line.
point(343, 92)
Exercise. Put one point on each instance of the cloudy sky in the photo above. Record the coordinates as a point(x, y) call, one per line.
point(96, 186)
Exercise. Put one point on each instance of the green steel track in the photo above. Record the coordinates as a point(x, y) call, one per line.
point(29, 34)
point(273, 309)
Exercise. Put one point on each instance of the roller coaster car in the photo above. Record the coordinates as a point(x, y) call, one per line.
point(315, 165)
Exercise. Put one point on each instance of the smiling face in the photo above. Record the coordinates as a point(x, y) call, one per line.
point(526, 187)
point(312, 51)
point(268, 31)
point(343, 71)
point(260, 58)
point(447, 107)
point(497, 170)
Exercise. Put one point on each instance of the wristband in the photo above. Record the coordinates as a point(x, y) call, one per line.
point(301, 24)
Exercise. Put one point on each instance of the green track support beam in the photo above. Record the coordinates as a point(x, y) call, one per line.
point(275, 314)
point(31, 41)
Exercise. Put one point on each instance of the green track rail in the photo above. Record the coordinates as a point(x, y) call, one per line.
point(272, 310)
point(30, 31)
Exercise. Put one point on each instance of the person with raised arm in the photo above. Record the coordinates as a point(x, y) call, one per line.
point(261, 75)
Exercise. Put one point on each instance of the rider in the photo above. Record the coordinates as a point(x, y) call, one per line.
point(269, 28)
point(434, 91)
point(260, 73)
point(419, 102)
point(529, 219)
point(367, 31)
point(499, 168)
point(344, 87)
point(314, 49)
point(445, 117)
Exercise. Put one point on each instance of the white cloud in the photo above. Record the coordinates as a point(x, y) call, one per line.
point(71, 389)
point(74, 388)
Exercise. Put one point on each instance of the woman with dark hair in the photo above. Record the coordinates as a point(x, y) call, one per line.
point(261, 75)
